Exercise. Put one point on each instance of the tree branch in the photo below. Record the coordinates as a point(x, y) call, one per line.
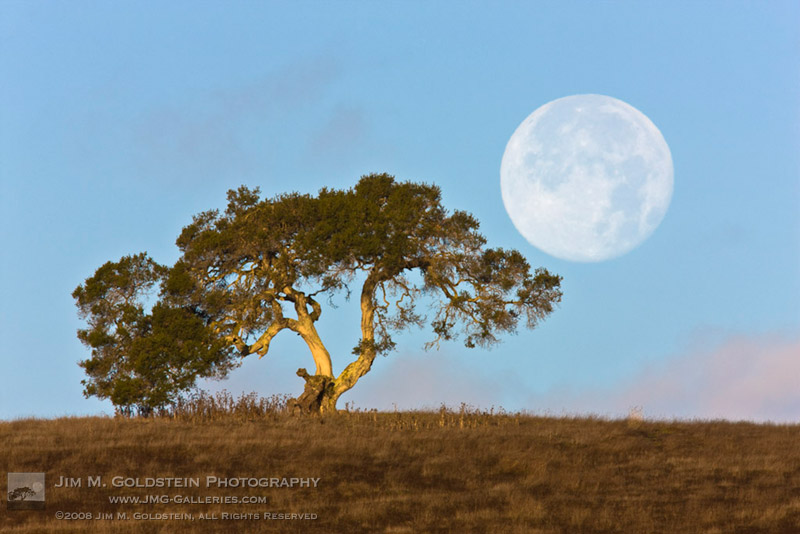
point(262, 345)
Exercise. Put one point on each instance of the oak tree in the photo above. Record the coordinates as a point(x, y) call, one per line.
point(266, 265)
point(20, 494)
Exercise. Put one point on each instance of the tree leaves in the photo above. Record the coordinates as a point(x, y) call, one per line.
point(258, 268)
point(142, 360)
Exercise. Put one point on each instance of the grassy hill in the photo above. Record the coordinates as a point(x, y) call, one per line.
point(458, 471)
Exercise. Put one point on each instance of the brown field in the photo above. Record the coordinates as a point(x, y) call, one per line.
point(459, 471)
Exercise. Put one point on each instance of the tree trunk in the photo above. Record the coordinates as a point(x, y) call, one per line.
point(322, 359)
point(314, 396)
point(319, 396)
point(322, 390)
point(305, 327)
point(319, 386)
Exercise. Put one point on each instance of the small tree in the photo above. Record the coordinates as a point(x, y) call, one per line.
point(261, 267)
point(20, 494)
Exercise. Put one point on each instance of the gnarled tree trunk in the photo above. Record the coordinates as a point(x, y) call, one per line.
point(315, 395)
point(321, 392)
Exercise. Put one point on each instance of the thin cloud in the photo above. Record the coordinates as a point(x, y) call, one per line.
point(211, 137)
point(340, 137)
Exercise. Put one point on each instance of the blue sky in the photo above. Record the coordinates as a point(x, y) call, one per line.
point(118, 122)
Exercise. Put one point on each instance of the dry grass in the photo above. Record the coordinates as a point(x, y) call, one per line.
point(454, 471)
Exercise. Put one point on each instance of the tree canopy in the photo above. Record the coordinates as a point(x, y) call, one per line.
point(266, 265)
point(20, 494)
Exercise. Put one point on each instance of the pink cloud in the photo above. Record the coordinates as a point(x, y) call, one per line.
point(741, 378)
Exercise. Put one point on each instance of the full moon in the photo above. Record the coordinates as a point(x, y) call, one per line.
point(586, 178)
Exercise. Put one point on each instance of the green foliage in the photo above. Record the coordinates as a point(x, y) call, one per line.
point(142, 360)
point(259, 267)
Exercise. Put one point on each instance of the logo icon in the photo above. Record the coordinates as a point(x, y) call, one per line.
point(25, 491)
